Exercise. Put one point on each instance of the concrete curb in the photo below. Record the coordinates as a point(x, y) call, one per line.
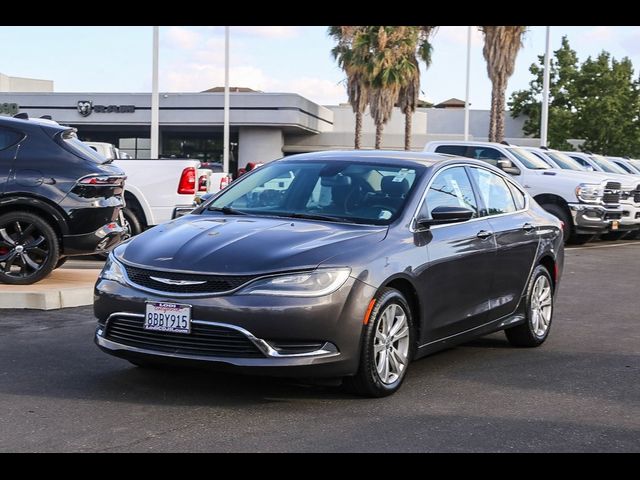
point(62, 289)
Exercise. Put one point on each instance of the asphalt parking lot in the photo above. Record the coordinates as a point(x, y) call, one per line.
point(578, 392)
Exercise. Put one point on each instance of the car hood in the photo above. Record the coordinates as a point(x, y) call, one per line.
point(240, 245)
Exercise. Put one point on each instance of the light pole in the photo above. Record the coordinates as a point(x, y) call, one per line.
point(466, 96)
point(544, 120)
point(155, 101)
point(225, 151)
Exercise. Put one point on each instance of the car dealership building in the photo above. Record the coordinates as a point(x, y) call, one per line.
point(264, 126)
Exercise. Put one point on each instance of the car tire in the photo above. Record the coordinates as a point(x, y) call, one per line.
point(539, 312)
point(30, 241)
point(613, 236)
point(632, 235)
point(61, 262)
point(580, 239)
point(381, 370)
point(561, 213)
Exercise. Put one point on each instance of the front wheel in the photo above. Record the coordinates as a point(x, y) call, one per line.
point(387, 347)
point(535, 330)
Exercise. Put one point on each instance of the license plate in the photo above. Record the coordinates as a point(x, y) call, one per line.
point(615, 225)
point(168, 317)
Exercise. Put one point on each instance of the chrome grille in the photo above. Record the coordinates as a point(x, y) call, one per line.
point(205, 283)
point(204, 340)
point(612, 193)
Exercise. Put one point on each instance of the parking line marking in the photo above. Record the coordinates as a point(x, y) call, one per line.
point(602, 246)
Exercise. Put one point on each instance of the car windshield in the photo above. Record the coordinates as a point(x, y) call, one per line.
point(528, 159)
point(606, 165)
point(331, 190)
point(82, 149)
point(564, 161)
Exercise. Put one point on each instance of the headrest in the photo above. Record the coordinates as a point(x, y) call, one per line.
point(394, 187)
point(338, 180)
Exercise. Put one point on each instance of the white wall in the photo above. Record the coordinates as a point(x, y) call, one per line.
point(20, 84)
point(257, 144)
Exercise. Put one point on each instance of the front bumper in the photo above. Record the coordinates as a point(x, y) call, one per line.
point(630, 215)
point(594, 219)
point(103, 239)
point(333, 322)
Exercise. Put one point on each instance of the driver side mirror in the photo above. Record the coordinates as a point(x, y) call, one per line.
point(445, 215)
point(507, 166)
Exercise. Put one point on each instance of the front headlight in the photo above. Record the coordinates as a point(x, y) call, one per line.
point(112, 270)
point(589, 193)
point(313, 284)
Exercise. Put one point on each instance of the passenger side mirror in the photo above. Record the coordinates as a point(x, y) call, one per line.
point(444, 215)
point(507, 166)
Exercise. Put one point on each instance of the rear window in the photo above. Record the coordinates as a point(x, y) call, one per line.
point(8, 138)
point(458, 150)
point(81, 149)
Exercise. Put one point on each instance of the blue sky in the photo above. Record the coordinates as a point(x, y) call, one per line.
point(292, 59)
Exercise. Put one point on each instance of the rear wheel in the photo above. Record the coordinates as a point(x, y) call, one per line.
point(29, 248)
point(564, 216)
point(387, 347)
point(580, 239)
point(632, 235)
point(539, 313)
point(61, 262)
point(613, 235)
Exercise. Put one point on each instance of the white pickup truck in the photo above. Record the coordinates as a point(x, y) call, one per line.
point(160, 190)
point(586, 204)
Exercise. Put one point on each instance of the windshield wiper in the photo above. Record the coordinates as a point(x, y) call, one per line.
point(313, 216)
point(227, 210)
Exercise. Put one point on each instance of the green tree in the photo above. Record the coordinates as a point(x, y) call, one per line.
point(607, 103)
point(354, 65)
point(501, 46)
point(562, 75)
point(410, 91)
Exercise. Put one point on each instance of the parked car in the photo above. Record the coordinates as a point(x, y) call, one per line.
point(366, 261)
point(626, 164)
point(629, 195)
point(585, 206)
point(58, 198)
point(157, 189)
point(629, 192)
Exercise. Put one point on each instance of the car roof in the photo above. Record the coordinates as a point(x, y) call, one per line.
point(22, 123)
point(423, 158)
point(470, 142)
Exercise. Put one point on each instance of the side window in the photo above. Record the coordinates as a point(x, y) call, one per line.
point(494, 192)
point(518, 196)
point(450, 188)
point(8, 138)
point(489, 155)
point(581, 161)
point(459, 150)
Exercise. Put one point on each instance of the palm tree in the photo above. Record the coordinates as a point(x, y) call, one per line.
point(388, 51)
point(501, 46)
point(410, 91)
point(354, 65)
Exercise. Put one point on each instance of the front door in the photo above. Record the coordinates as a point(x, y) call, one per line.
point(515, 235)
point(456, 285)
point(8, 147)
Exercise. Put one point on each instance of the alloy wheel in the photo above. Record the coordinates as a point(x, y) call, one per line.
point(24, 249)
point(541, 306)
point(391, 344)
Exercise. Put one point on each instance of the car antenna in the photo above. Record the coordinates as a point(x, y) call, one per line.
point(543, 147)
point(504, 142)
point(22, 115)
point(46, 117)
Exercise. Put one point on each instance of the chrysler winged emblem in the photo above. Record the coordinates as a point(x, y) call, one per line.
point(85, 107)
point(170, 281)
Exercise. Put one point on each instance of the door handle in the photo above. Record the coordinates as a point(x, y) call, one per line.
point(527, 227)
point(483, 234)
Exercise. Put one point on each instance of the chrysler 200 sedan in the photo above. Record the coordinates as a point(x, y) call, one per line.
point(336, 264)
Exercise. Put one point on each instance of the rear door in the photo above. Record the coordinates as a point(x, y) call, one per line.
point(9, 140)
point(505, 207)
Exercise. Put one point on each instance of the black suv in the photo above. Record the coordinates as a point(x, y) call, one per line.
point(58, 198)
